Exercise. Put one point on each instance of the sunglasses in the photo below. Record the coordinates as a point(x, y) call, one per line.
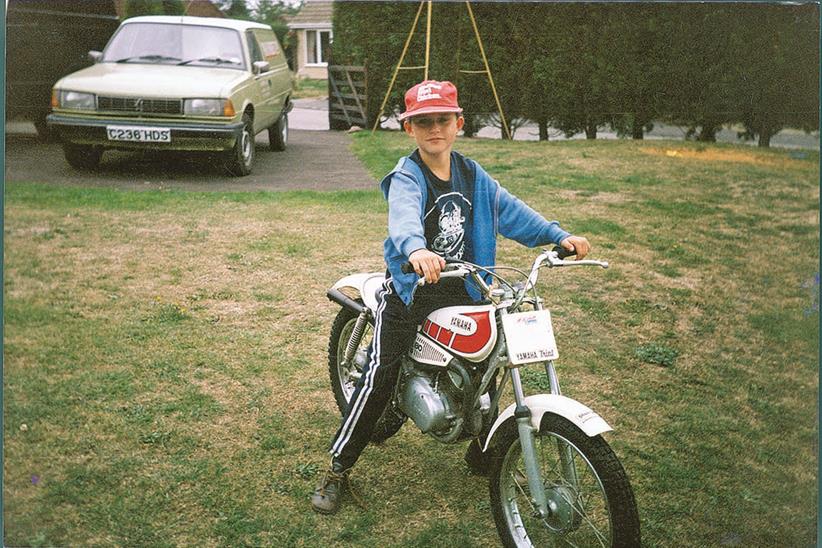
point(427, 122)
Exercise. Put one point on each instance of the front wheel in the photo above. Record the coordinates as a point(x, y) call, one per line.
point(589, 496)
point(278, 134)
point(344, 375)
point(82, 156)
point(240, 159)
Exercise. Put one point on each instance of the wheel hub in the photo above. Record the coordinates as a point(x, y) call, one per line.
point(564, 514)
point(247, 143)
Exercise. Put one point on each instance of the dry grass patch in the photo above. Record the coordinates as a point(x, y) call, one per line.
point(713, 154)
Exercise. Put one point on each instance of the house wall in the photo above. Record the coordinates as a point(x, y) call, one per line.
point(304, 71)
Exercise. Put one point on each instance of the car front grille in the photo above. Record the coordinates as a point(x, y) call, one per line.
point(139, 105)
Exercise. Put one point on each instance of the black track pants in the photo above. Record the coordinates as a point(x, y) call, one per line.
point(394, 329)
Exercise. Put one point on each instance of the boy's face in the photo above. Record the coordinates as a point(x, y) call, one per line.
point(434, 133)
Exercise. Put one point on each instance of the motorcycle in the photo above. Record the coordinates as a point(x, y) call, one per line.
point(553, 478)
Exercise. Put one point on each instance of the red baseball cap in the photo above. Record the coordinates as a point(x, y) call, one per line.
point(429, 97)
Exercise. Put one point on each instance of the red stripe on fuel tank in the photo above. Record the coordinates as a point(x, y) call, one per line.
point(444, 336)
point(470, 344)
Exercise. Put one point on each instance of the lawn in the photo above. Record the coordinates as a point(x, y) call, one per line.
point(165, 378)
point(308, 88)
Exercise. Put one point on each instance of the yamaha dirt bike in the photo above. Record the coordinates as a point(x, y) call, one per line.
point(553, 478)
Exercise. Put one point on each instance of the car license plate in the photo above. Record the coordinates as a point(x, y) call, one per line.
point(530, 337)
point(139, 134)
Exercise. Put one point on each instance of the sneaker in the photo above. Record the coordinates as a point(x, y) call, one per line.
point(326, 496)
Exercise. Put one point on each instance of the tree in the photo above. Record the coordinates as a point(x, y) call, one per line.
point(636, 40)
point(698, 68)
point(173, 7)
point(134, 8)
point(776, 77)
point(236, 9)
point(581, 69)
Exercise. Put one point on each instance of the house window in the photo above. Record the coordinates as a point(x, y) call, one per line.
point(317, 43)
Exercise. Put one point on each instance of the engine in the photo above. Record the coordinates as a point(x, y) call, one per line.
point(434, 397)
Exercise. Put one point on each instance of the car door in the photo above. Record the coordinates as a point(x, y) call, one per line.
point(264, 112)
point(279, 76)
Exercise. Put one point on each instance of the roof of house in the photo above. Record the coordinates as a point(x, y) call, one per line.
point(203, 8)
point(314, 14)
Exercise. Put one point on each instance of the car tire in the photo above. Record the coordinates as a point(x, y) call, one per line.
point(241, 158)
point(278, 134)
point(44, 133)
point(82, 156)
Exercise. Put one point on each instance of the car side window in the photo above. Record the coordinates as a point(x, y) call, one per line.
point(254, 48)
point(270, 46)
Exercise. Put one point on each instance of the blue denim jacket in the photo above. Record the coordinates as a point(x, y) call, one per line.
point(496, 211)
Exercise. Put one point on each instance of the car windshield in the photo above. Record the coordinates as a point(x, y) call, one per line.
point(171, 44)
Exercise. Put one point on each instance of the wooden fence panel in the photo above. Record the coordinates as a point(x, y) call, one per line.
point(347, 97)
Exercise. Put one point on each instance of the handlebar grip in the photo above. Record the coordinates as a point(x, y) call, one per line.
point(562, 252)
point(408, 268)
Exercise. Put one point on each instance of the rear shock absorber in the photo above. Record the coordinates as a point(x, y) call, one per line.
point(356, 336)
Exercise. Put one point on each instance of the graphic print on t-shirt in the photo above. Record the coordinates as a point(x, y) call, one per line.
point(451, 210)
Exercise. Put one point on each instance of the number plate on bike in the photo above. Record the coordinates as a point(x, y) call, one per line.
point(530, 337)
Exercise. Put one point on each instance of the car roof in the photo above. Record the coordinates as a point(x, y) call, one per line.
point(202, 21)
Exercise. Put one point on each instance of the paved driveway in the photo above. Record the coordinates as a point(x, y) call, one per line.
point(314, 160)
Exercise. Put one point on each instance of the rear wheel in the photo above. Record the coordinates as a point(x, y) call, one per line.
point(278, 134)
point(344, 375)
point(82, 156)
point(596, 508)
point(240, 159)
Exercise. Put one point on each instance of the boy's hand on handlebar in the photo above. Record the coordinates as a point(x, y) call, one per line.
point(427, 264)
point(577, 244)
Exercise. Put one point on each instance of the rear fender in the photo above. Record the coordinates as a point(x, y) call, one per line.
point(580, 415)
point(362, 286)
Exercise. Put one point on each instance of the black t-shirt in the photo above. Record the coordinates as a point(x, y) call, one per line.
point(448, 215)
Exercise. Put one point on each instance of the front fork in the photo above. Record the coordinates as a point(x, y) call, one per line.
point(527, 439)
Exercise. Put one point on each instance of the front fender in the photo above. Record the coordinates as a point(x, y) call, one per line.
point(365, 285)
point(580, 415)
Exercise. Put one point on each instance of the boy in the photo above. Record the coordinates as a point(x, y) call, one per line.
point(440, 205)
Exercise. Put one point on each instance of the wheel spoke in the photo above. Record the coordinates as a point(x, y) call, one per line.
point(600, 537)
point(521, 490)
point(581, 516)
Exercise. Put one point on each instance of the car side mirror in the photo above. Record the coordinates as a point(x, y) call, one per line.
point(261, 66)
point(95, 56)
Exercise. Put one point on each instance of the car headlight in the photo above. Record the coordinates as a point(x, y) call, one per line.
point(76, 100)
point(204, 107)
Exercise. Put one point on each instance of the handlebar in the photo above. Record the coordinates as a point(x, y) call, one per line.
point(563, 253)
point(555, 257)
point(408, 268)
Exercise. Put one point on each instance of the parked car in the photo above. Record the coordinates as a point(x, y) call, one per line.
point(177, 83)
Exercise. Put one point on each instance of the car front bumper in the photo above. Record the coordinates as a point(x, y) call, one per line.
point(184, 136)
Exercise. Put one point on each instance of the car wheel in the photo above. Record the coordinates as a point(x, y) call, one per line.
point(241, 157)
point(278, 134)
point(82, 156)
point(44, 133)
